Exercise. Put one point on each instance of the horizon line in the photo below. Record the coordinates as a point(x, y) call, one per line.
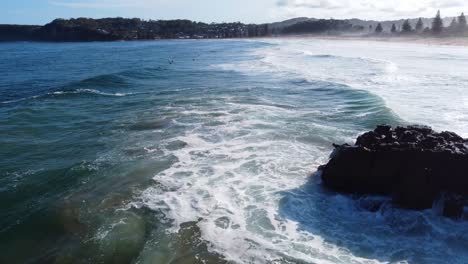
point(199, 21)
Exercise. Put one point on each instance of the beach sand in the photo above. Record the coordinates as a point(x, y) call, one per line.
point(449, 41)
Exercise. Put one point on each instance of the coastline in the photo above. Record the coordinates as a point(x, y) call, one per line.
point(209, 157)
point(431, 41)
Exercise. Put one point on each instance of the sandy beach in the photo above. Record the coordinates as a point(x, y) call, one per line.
point(448, 41)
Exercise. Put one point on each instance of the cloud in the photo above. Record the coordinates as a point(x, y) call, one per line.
point(369, 9)
point(314, 4)
point(448, 3)
point(271, 10)
point(101, 3)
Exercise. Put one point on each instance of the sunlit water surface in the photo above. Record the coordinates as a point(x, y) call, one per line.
point(204, 151)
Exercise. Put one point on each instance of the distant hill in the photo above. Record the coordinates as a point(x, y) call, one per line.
point(111, 29)
point(283, 24)
point(321, 26)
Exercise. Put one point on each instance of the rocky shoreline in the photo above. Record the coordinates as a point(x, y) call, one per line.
point(415, 166)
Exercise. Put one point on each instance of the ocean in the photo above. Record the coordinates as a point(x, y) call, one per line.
point(206, 151)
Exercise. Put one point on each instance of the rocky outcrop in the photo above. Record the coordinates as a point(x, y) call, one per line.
point(415, 165)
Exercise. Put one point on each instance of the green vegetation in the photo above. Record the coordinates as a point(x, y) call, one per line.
point(106, 29)
point(406, 28)
point(462, 25)
point(437, 24)
point(458, 27)
point(379, 28)
point(321, 26)
point(110, 29)
point(419, 25)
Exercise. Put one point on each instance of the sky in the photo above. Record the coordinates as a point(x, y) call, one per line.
point(248, 11)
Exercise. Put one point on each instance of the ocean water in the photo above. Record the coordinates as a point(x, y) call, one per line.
point(206, 151)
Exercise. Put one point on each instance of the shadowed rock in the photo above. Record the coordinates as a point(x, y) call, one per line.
point(414, 165)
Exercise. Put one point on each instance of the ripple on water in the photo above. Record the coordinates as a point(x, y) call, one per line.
point(209, 160)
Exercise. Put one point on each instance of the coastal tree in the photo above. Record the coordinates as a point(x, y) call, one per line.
point(379, 28)
point(453, 27)
point(437, 24)
point(406, 28)
point(393, 30)
point(462, 25)
point(419, 25)
point(454, 23)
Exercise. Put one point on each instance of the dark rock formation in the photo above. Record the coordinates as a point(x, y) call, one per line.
point(17, 32)
point(414, 165)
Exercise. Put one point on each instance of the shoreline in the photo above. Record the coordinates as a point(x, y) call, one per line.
point(431, 41)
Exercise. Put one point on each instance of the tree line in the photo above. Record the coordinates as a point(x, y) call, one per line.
point(111, 29)
point(457, 27)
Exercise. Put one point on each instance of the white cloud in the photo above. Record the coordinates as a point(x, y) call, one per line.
point(102, 3)
point(324, 4)
point(270, 10)
point(368, 9)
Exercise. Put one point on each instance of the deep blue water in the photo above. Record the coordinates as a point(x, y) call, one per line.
point(202, 151)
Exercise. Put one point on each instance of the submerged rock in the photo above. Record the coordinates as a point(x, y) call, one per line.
point(122, 238)
point(452, 206)
point(414, 165)
point(184, 247)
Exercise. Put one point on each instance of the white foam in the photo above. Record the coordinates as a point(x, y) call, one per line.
point(233, 175)
point(90, 91)
point(416, 81)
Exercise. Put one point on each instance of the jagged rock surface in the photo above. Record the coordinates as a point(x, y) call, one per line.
point(414, 165)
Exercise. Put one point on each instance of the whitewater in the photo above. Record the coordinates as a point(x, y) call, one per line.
point(249, 180)
point(214, 158)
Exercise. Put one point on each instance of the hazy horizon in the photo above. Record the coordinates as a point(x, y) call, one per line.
point(261, 11)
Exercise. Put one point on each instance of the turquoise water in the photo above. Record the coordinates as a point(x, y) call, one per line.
point(203, 151)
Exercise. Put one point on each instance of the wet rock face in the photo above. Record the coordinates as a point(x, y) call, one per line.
point(414, 165)
point(419, 138)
